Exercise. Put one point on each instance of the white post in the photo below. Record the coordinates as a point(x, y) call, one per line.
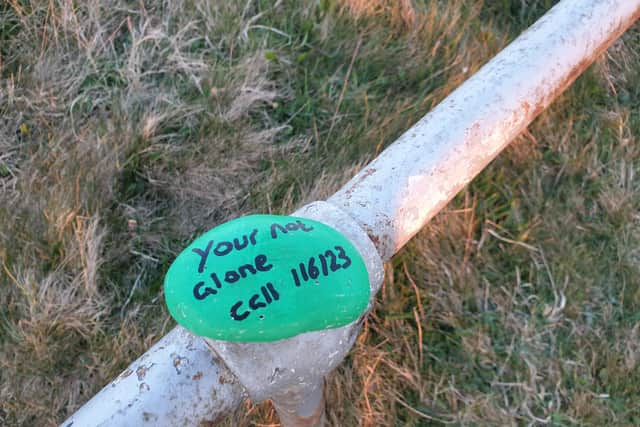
point(390, 201)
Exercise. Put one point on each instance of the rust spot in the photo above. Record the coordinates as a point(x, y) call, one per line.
point(225, 378)
point(141, 372)
point(177, 362)
point(374, 239)
point(148, 416)
point(125, 374)
point(367, 172)
point(372, 236)
point(474, 131)
point(197, 376)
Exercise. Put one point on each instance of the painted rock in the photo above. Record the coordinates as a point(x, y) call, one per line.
point(264, 278)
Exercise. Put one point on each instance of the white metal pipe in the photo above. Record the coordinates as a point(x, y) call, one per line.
point(397, 193)
point(291, 372)
point(179, 382)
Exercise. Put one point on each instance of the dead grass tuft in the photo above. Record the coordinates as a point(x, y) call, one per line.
point(401, 12)
point(254, 88)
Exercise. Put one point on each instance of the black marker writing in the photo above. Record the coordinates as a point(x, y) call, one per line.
point(231, 276)
point(200, 294)
point(310, 271)
point(234, 312)
point(204, 254)
point(296, 279)
point(276, 295)
point(216, 281)
point(252, 237)
point(343, 256)
point(334, 265)
point(223, 248)
point(245, 240)
point(323, 263)
point(292, 226)
point(266, 295)
point(260, 264)
point(255, 303)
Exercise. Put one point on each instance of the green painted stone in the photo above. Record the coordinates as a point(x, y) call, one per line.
point(264, 278)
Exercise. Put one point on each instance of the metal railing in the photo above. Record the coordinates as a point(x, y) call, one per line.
point(180, 381)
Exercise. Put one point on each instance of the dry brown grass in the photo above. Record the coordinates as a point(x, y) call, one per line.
point(126, 129)
point(400, 13)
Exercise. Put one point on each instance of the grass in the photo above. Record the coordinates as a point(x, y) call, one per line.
point(126, 129)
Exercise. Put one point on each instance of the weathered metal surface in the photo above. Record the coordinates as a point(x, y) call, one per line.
point(177, 382)
point(290, 372)
point(306, 410)
point(396, 194)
